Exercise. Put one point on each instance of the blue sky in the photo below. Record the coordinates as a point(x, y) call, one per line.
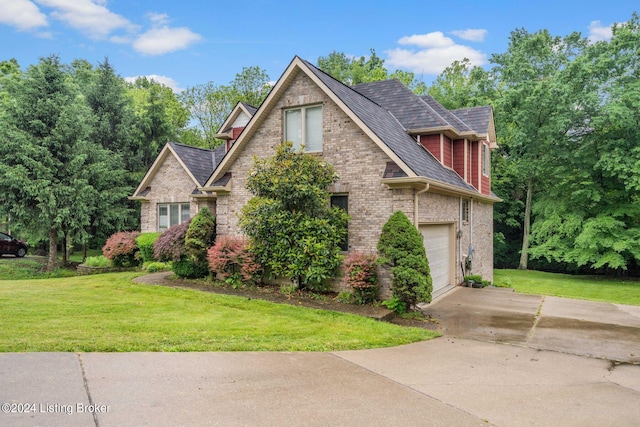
point(189, 42)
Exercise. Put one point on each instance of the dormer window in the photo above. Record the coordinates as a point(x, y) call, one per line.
point(303, 126)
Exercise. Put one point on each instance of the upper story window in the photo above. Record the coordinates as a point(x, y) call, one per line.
point(170, 214)
point(304, 126)
point(485, 159)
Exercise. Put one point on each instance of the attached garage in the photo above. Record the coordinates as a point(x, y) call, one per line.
point(437, 240)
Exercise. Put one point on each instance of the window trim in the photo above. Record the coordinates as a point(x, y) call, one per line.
point(303, 125)
point(486, 168)
point(180, 214)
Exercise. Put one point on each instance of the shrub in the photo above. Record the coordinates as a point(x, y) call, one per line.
point(476, 278)
point(345, 297)
point(187, 269)
point(201, 234)
point(97, 261)
point(294, 232)
point(170, 245)
point(395, 304)
point(145, 242)
point(231, 259)
point(401, 248)
point(121, 249)
point(360, 275)
point(155, 266)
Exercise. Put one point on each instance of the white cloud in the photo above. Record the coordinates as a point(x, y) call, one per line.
point(159, 41)
point(435, 52)
point(599, 32)
point(473, 35)
point(92, 18)
point(163, 80)
point(22, 14)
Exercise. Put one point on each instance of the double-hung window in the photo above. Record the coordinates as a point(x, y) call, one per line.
point(303, 126)
point(170, 214)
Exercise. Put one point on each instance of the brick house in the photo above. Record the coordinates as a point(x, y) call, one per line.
point(393, 150)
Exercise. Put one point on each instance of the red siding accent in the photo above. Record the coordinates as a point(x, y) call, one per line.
point(458, 156)
point(431, 143)
point(447, 152)
point(474, 161)
point(236, 132)
point(486, 185)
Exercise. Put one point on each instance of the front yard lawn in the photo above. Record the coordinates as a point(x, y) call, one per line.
point(595, 288)
point(109, 312)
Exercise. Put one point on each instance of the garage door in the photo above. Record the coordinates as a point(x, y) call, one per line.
point(436, 242)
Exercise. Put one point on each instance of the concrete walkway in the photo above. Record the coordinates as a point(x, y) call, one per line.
point(496, 375)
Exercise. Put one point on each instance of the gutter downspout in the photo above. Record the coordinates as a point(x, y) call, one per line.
point(415, 203)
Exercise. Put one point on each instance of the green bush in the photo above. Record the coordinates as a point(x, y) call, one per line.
point(402, 249)
point(201, 235)
point(97, 261)
point(293, 231)
point(145, 242)
point(155, 266)
point(476, 278)
point(188, 269)
point(345, 297)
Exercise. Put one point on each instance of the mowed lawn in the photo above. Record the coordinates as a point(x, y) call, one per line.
point(111, 313)
point(595, 288)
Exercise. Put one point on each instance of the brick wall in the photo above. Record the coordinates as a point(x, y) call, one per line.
point(170, 184)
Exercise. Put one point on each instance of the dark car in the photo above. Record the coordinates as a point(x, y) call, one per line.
point(9, 245)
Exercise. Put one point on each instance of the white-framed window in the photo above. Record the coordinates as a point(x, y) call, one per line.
point(170, 214)
point(485, 159)
point(465, 210)
point(304, 126)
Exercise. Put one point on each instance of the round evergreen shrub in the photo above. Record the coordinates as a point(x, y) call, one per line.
point(401, 248)
point(145, 242)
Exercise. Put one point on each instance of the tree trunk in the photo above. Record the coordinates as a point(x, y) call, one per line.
point(65, 254)
point(53, 249)
point(524, 254)
point(84, 252)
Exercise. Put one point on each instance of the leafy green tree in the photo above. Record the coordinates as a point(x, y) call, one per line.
point(159, 117)
point(591, 215)
point(352, 71)
point(462, 86)
point(48, 166)
point(536, 107)
point(293, 230)
point(401, 247)
point(210, 105)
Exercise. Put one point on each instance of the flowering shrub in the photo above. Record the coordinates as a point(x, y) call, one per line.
point(360, 275)
point(121, 249)
point(232, 260)
point(170, 245)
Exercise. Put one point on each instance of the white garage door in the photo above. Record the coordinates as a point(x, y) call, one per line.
point(436, 242)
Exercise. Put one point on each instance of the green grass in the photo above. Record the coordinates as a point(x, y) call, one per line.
point(28, 268)
point(109, 312)
point(595, 288)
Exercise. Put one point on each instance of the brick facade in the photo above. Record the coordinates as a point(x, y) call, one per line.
point(170, 184)
point(360, 164)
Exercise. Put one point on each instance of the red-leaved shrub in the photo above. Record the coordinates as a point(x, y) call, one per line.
point(121, 249)
point(232, 260)
point(360, 275)
point(170, 245)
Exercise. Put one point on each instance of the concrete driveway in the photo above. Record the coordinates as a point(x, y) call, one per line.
point(585, 328)
point(498, 374)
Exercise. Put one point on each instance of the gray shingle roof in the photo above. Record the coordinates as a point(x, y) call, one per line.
point(200, 161)
point(478, 118)
point(389, 128)
point(250, 108)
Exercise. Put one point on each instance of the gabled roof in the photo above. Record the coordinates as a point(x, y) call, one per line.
point(480, 119)
point(198, 163)
point(238, 110)
point(385, 111)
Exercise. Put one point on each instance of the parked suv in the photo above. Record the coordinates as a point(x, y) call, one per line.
point(9, 245)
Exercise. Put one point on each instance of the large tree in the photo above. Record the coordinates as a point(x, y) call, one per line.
point(210, 104)
point(591, 215)
point(48, 164)
point(536, 108)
